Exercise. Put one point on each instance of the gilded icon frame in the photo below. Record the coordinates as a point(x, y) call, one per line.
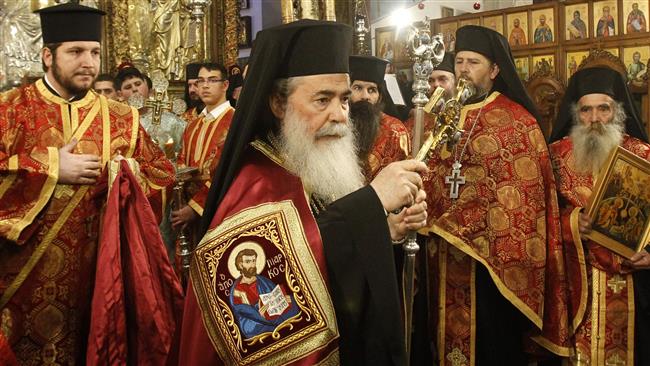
point(612, 202)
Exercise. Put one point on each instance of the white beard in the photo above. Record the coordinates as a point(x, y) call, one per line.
point(327, 168)
point(593, 144)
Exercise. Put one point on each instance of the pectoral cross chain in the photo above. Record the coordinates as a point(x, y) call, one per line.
point(455, 180)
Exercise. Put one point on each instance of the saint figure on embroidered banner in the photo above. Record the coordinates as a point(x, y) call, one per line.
point(259, 304)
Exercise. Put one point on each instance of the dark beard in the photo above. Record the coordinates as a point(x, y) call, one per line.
point(365, 118)
point(67, 83)
point(249, 272)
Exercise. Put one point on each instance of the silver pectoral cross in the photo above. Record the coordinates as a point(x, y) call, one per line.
point(455, 180)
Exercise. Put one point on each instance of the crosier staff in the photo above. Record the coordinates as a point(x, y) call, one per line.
point(426, 52)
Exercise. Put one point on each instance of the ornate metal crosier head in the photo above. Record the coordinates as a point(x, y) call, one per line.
point(447, 114)
point(427, 52)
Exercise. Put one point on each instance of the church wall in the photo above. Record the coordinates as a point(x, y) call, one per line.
point(432, 10)
point(256, 11)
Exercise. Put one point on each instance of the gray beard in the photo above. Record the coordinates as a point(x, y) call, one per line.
point(593, 144)
point(328, 169)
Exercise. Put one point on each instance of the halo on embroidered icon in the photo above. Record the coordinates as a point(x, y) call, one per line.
point(260, 262)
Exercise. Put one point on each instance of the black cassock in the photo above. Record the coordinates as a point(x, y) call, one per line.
point(363, 281)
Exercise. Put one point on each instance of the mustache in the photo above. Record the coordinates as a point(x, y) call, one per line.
point(598, 127)
point(85, 73)
point(333, 129)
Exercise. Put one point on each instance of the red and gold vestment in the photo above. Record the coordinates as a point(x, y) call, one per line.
point(505, 218)
point(392, 144)
point(601, 311)
point(49, 231)
point(203, 142)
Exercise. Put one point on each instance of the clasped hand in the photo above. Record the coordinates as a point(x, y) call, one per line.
point(77, 168)
point(640, 260)
point(399, 186)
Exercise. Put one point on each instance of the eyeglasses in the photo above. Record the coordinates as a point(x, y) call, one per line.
point(211, 81)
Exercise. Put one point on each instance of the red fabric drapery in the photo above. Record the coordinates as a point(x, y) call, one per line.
point(137, 299)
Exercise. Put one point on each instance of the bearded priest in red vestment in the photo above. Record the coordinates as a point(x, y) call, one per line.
point(495, 261)
point(382, 138)
point(610, 296)
point(297, 266)
point(192, 99)
point(57, 136)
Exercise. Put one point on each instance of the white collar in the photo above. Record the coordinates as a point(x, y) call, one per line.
point(53, 88)
point(213, 114)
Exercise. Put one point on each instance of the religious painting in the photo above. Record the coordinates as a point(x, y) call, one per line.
point(448, 31)
point(544, 64)
point(636, 60)
point(260, 290)
point(577, 21)
point(404, 75)
point(522, 67)
point(495, 23)
point(517, 28)
point(620, 204)
point(472, 21)
point(635, 16)
point(543, 25)
point(385, 43)
point(573, 61)
point(446, 12)
point(605, 18)
point(400, 52)
point(244, 40)
point(244, 4)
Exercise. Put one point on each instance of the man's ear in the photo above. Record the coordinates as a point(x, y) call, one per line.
point(494, 71)
point(278, 106)
point(226, 84)
point(46, 55)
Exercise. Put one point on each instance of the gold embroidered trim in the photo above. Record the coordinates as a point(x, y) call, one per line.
point(48, 96)
point(74, 119)
point(188, 155)
point(44, 197)
point(558, 350)
point(152, 184)
point(90, 117)
point(442, 299)
point(214, 124)
point(470, 107)
point(505, 291)
point(6, 183)
point(595, 302)
point(9, 179)
point(42, 247)
point(13, 162)
point(472, 316)
point(106, 129)
point(291, 239)
point(135, 128)
point(631, 315)
point(67, 127)
point(196, 207)
point(602, 315)
point(267, 150)
point(584, 293)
